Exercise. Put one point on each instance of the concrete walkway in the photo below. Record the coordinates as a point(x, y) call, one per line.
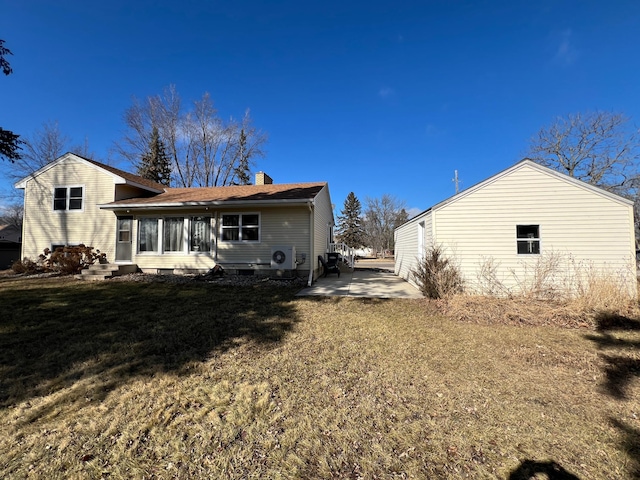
point(365, 281)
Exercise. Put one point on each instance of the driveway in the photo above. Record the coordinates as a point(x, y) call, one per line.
point(371, 279)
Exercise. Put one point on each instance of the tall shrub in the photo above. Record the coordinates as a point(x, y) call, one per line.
point(437, 275)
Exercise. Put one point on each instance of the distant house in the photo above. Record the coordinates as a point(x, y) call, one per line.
point(263, 228)
point(525, 217)
point(10, 244)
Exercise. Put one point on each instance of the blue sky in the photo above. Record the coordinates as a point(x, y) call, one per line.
point(373, 97)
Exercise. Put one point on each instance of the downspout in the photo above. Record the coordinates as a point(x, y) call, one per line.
point(215, 238)
point(312, 260)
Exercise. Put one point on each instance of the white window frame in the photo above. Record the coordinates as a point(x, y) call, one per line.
point(190, 240)
point(530, 240)
point(67, 198)
point(239, 227)
point(160, 226)
point(185, 235)
point(186, 225)
point(421, 234)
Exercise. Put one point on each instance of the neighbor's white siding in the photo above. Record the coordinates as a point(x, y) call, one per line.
point(323, 222)
point(581, 225)
point(407, 245)
point(91, 226)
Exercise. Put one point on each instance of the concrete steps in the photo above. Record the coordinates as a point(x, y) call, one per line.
point(102, 271)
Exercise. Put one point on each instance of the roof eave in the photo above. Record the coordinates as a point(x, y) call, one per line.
point(217, 203)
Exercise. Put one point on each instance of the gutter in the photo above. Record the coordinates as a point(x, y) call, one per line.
point(225, 203)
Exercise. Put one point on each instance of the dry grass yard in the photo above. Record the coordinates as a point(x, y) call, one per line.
point(126, 380)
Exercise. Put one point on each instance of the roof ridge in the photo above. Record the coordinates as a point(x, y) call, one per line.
point(123, 173)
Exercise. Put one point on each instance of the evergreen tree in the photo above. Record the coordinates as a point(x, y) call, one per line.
point(403, 217)
point(155, 164)
point(242, 172)
point(9, 141)
point(351, 231)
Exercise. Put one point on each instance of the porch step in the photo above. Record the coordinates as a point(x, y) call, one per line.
point(102, 271)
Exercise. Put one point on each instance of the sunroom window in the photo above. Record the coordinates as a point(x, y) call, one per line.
point(174, 234)
point(148, 235)
point(200, 234)
point(241, 227)
point(528, 239)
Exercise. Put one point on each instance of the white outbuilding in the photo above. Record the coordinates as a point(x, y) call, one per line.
point(527, 227)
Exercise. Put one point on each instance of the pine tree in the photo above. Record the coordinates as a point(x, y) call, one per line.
point(155, 164)
point(351, 231)
point(403, 217)
point(242, 170)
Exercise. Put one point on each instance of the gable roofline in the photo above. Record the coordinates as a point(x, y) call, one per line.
point(541, 168)
point(518, 165)
point(119, 176)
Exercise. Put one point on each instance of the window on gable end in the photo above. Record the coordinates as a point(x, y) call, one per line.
point(528, 239)
point(68, 198)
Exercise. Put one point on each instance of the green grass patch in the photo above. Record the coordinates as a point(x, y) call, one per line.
point(158, 380)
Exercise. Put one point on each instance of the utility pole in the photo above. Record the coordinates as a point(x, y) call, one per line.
point(456, 181)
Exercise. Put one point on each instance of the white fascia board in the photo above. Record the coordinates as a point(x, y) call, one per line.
point(117, 179)
point(222, 203)
point(418, 217)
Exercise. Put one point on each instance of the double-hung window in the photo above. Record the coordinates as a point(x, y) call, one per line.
point(240, 227)
point(528, 239)
point(67, 198)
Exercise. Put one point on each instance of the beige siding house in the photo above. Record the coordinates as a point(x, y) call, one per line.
point(504, 230)
point(265, 228)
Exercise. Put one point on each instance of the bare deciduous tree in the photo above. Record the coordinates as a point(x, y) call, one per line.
point(44, 146)
point(380, 219)
point(600, 148)
point(12, 215)
point(205, 150)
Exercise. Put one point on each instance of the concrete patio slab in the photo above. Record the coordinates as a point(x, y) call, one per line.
point(370, 283)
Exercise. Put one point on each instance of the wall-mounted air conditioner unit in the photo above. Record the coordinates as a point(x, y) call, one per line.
point(283, 258)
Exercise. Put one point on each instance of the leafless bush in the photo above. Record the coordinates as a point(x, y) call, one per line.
point(437, 275)
point(543, 278)
point(64, 260)
point(488, 280)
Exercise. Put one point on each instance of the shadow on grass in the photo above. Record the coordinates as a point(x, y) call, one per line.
point(620, 368)
point(531, 468)
point(630, 443)
point(56, 334)
point(622, 365)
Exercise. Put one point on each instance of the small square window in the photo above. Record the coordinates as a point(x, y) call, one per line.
point(528, 239)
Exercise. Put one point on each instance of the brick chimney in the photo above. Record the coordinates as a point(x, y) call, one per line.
point(263, 179)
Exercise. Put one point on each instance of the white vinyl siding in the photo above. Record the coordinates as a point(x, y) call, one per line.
point(408, 243)
point(573, 220)
point(88, 225)
point(323, 220)
point(279, 226)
